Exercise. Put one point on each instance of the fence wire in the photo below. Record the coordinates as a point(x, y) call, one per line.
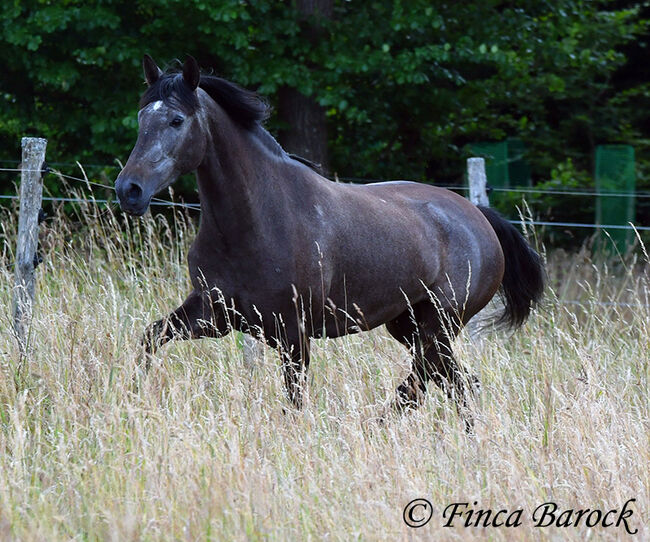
point(89, 183)
point(197, 206)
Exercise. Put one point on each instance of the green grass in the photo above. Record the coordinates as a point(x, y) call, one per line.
point(203, 448)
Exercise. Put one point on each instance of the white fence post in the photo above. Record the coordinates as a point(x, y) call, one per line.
point(477, 181)
point(31, 195)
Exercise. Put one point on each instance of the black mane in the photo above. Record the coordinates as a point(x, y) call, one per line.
point(244, 106)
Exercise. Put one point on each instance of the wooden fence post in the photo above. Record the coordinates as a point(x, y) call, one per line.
point(31, 195)
point(477, 181)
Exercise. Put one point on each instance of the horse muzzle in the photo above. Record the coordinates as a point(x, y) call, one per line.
point(133, 198)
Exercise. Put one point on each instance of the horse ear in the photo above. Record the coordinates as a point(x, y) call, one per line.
point(191, 72)
point(151, 70)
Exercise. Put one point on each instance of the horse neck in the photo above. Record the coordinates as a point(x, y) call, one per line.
point(238, 180)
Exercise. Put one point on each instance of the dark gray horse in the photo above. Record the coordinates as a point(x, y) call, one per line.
point(285, 254)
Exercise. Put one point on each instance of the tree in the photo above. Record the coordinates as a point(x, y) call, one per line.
point(303, 121)
point(404, 86)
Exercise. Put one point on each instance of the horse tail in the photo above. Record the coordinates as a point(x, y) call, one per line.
point(523, 277)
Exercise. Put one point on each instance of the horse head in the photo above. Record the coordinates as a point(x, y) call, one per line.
point(170, 139)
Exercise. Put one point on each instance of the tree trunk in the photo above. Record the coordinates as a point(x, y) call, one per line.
point(306, 132)
point(305, 122)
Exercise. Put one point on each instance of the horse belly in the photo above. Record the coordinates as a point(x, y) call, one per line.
point(376, 282)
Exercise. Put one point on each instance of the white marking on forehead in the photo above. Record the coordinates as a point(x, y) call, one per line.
point(157, 105)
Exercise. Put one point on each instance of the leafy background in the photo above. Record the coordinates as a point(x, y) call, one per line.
point(406, 86)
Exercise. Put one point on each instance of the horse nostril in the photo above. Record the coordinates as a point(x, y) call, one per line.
point(133, 192)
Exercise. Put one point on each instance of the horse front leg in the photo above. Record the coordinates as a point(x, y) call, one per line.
point(295, 363)
point(195, 318)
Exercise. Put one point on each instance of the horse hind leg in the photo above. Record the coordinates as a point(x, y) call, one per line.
point(433, 360)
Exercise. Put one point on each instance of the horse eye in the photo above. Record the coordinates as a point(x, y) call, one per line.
point(176, 122)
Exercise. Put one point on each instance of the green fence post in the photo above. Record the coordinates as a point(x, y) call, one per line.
point(615, 173)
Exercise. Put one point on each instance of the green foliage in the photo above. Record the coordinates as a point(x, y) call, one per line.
point(406, 85)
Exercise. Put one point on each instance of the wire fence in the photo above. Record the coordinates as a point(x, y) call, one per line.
point(90, 184)
point(197, 206)
point(522, 190)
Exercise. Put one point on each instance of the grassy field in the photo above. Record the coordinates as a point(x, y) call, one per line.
point(203, 450)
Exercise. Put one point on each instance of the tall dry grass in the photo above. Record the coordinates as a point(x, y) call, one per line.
point(203, 450)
